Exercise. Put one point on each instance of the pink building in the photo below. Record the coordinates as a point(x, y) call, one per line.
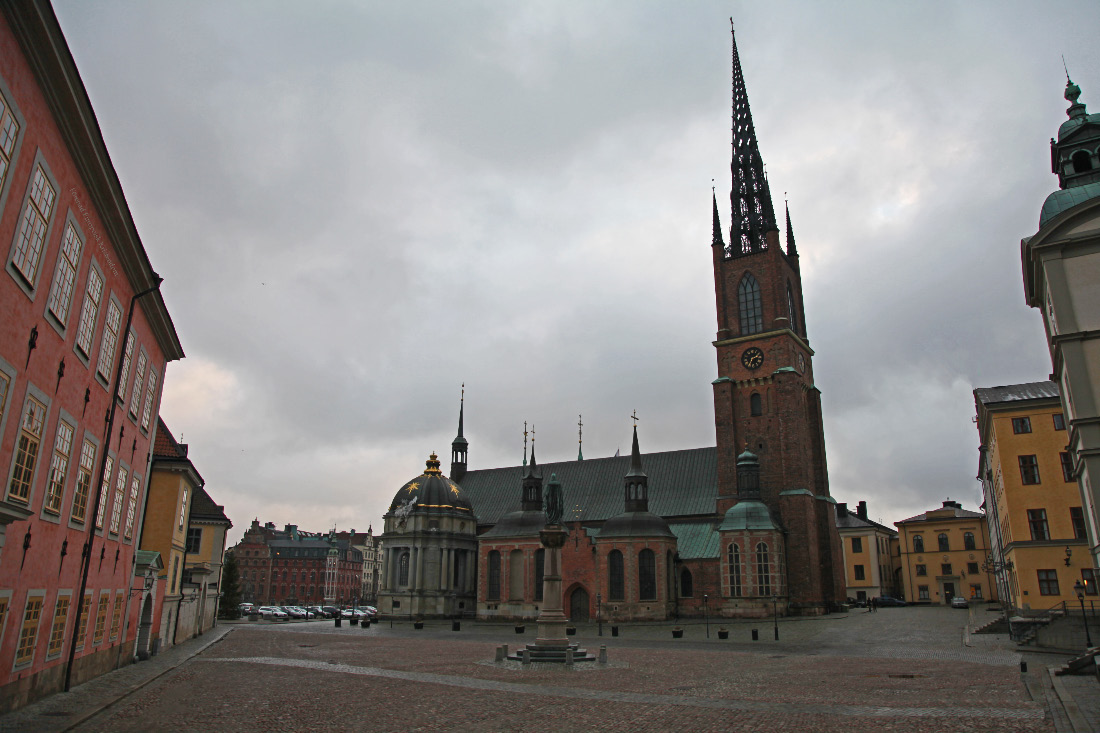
point(79, 393)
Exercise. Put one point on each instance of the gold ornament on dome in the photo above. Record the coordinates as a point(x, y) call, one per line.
point(433, 466)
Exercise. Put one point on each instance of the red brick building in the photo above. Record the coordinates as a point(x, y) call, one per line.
point(735, 528)
point(79, 391)
point(292, 567)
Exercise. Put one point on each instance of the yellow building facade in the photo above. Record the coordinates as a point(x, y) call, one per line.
point(1039, 542)
point(943, 555)
point(173, 481)
point(871, 565)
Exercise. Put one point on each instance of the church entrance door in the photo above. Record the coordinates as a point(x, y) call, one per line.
point(578, 605)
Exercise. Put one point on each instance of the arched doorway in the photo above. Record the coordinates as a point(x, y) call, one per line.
point(578, 605)
point(145, 628)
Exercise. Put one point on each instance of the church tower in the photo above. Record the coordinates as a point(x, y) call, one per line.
point(765, 399)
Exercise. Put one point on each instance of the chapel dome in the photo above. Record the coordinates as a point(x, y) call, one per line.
point(635, 524)
point(746, 515)
point(431, 491)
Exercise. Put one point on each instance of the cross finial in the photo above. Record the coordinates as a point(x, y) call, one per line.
point(634, 417)
point(525, 442)
point(463, 397)
point(1066, 68)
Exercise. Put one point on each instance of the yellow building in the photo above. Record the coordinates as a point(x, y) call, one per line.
point(942, 555)
point(206, 529)
point(1031, 494)
point(173, 480)
point(870, 566)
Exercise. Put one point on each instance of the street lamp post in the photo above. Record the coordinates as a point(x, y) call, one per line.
point(599, 616)
point(706, 614)
point(775, 615)
point(1080, 590)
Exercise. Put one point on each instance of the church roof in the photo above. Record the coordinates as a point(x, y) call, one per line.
point(695, 540)
point(683, 484)
point(1016, 392)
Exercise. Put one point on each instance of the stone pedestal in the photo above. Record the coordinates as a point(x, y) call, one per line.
point(552, 644)
point(552, 618)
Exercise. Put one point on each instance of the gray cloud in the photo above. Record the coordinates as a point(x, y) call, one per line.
point(359, 206)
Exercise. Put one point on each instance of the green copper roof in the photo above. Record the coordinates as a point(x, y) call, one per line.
point(695, 540)
point(796, 492)
point(782, 370)
point(721, 379)
point(829, 499)
point(148, 558)
point(748, 514)
point(1066, 199)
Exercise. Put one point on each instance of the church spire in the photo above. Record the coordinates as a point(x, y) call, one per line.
point(753, 214)
point(636, 483)
point(716, 226)
point(792, 251)
point(459, 446)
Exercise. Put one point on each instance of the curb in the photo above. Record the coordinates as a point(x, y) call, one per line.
point(97, 709)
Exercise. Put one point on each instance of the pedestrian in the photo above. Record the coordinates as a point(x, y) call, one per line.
point(874, 604)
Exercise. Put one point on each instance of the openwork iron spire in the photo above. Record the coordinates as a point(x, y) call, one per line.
point(753, 215)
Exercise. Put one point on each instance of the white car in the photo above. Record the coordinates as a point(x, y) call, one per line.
point(273, 613)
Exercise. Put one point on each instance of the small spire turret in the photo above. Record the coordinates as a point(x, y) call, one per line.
point(459, 446)
point(636, 482)
point(792, 250)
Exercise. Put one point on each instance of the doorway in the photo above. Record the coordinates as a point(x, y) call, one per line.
point(948, 592)
point(578, 605)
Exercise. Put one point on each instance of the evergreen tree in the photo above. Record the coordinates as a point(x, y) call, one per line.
point(229, 603)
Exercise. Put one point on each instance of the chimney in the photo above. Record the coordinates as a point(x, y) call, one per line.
point(861, 510)
point(841, 510)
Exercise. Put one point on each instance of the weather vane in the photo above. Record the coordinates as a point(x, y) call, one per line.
point(580, 439)
point(525, 442)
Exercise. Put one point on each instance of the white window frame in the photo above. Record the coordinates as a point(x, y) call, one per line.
point(111, 327)
point(64, 277)
point(139, 381)
point(59, 467)
point(89, 312)
point(120, 493)
point(33, 228)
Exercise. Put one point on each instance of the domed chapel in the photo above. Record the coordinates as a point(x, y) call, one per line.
point(733, 530)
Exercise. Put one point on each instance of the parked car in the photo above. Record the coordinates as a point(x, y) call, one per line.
point(245, 609)
point(347, 613)
point(331, 611)
point(273, 613)
point(318, 612)
point(959, 602)
point(889, 601)
point(371, 610)
point(294, 612)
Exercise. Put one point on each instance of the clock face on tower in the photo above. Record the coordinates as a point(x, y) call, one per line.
point(801, 363)
point(752, 358)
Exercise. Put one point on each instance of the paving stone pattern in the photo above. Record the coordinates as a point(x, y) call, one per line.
point(906, 669)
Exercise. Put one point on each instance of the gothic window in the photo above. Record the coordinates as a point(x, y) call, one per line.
point(647, 576)
point(945, 546)
point(749, 306)
point(791, 309)
point(734, 556)
point(540, 565)
point(968, 541)
point(763, 571)
point(403, 568)
point(616, 591)
point(918, 543)
point(755, 404)
point(515, 575)
point(1081, 161)
point(685, 583)
point(494, 576)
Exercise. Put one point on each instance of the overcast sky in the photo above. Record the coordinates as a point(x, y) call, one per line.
point(358, 206)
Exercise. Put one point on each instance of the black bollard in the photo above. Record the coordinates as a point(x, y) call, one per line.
point(755, 635)
point(614, 630)
point(457, 626)
point(337, 622)
point(1023, 667)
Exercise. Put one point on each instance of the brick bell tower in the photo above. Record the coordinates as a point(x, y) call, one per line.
point(764, 397)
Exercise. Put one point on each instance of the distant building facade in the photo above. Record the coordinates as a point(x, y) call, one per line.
point(80, 383)
point(207, 526)
point(1037, 521)
point(872, 563)
point(942, 555)
point(1061, 268)
point(370, 547)
point(293, 567)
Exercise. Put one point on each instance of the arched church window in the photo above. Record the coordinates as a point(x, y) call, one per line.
point(647, 576)
point(918, 543)
point(403, 569)
point(515, 575)
point(748, 303)
point(968, 541)
point(791, 309)
point(493, 593)
point(945, 546)
point(1082, 161)
point(733, 554)
point(616, 586)
point(756, 404)
point(763, 571)
point(540, 572)
point(685, 583)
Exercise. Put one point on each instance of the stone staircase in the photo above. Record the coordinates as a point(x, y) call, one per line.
point(1081, 664)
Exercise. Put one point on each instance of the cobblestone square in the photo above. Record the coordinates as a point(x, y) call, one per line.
point(912, 669)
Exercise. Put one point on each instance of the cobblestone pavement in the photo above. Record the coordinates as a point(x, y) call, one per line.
point(899, 669)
